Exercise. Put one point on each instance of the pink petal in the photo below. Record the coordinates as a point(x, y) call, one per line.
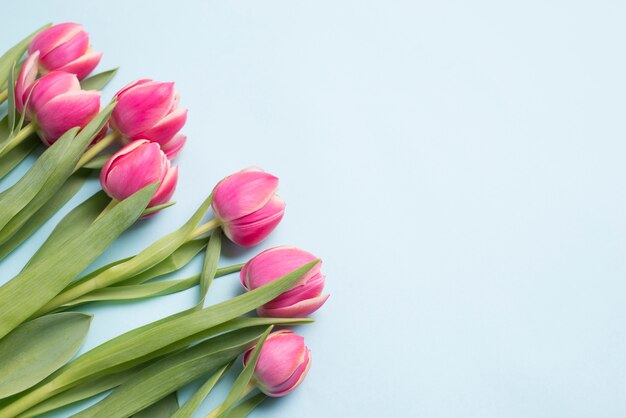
point(83, 65)
point(243, 193)
point(141, 107)
point(66, 52)
point(67, 111)
point(50, 38)
point(167, 187)
point(294, 380)
point(174, 146)
point(166, 128)
point(254, 228)
point(25, 79)
point(133, 170)
point(308, 290)
point(301, 309)
point(281, 355)
point(131, 85)
point(50, 86)
point(274, 263)
point(115, 158)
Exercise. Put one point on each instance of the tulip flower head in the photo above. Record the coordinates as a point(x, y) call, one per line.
point(304, 297)
point(283, 363)
point(64, 47)
point(149, 110)
point(136, 166)
point(247, 206)
point(55, 103)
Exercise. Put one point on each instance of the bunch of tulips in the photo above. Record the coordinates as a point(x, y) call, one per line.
point(54, 105)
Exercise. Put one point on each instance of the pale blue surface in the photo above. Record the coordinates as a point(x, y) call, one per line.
point(460, 169)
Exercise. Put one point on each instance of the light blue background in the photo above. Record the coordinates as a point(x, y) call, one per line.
point(459, 166)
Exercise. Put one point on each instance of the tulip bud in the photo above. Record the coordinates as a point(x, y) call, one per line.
point(304, 297)
point(136, 166)
point(149, 110)
point(283, 363)
point(64, 47)
point(247, 206)
point(56, 103)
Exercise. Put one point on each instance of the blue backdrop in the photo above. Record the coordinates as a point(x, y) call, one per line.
point(459, 166)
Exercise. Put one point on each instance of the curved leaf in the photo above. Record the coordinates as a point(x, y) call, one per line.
point(187, 410)
point(98, 81)
point(36, 349)
point(161, 409)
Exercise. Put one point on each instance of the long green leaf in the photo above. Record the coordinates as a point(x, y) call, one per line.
point(63, 167)
point(65, 193)
point(14, 157)
point(85, 390)
point(171, 373)
point(144, 341)
point(246, 407)
point(24, 294)
point(14, 54)
point(72, 225)
point(209, 268)
point(238, 390)
point(161, 409)
point(98, 81)
point(36, 349)
point(187, 410)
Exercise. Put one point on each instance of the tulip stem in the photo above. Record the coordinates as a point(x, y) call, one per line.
point(3, 95)
point(96, 148)
point(24, 133)
point(218, 411)
point(204, 228)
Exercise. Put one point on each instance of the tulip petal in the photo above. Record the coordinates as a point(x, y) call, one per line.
point(309, 290)
point(66, 52)
point(243, 193)
point(133, 170)
point(141, 107)
point(133, 84)
point(274, 263)
point(254, 228)
point(166, 128)
point(166, 189)
point(66, 111)
point(25, 79)
point(294, 380)
point(51, 86)
point(84, 65)
point(174, 146)
point(301, 309)
point(280, 357)
point(50, 38)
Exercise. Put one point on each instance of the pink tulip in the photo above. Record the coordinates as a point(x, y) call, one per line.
point(149, 110)
point(247, 206)
point(283, 363)
point(136, 166)
point(64, 47)
point(56, 102)
point(304, 298)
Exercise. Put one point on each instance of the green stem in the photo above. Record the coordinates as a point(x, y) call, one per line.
point(205, 228)
point(108, 208)
point(96, 148)
point(217, 411)
point(29, 400)
point(24, 133)
point(3, 95)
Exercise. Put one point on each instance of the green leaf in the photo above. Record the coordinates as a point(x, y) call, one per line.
point(85, 390)
point(151, 339)
point(178, 259)
point(246, 407)
point(187, 410)
point(72, 225)
point(171, 373)
point(238, 390)
point(14, 54)
point(98, 162)
point(50, 180)
point(14, 157)
point(149, 257)
point(11, 99)
point(65, 193)
point(209, 268)
point(56, 272)
point(98, 81)
point(161, 409)
point(34, 350)
point(140, 291)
